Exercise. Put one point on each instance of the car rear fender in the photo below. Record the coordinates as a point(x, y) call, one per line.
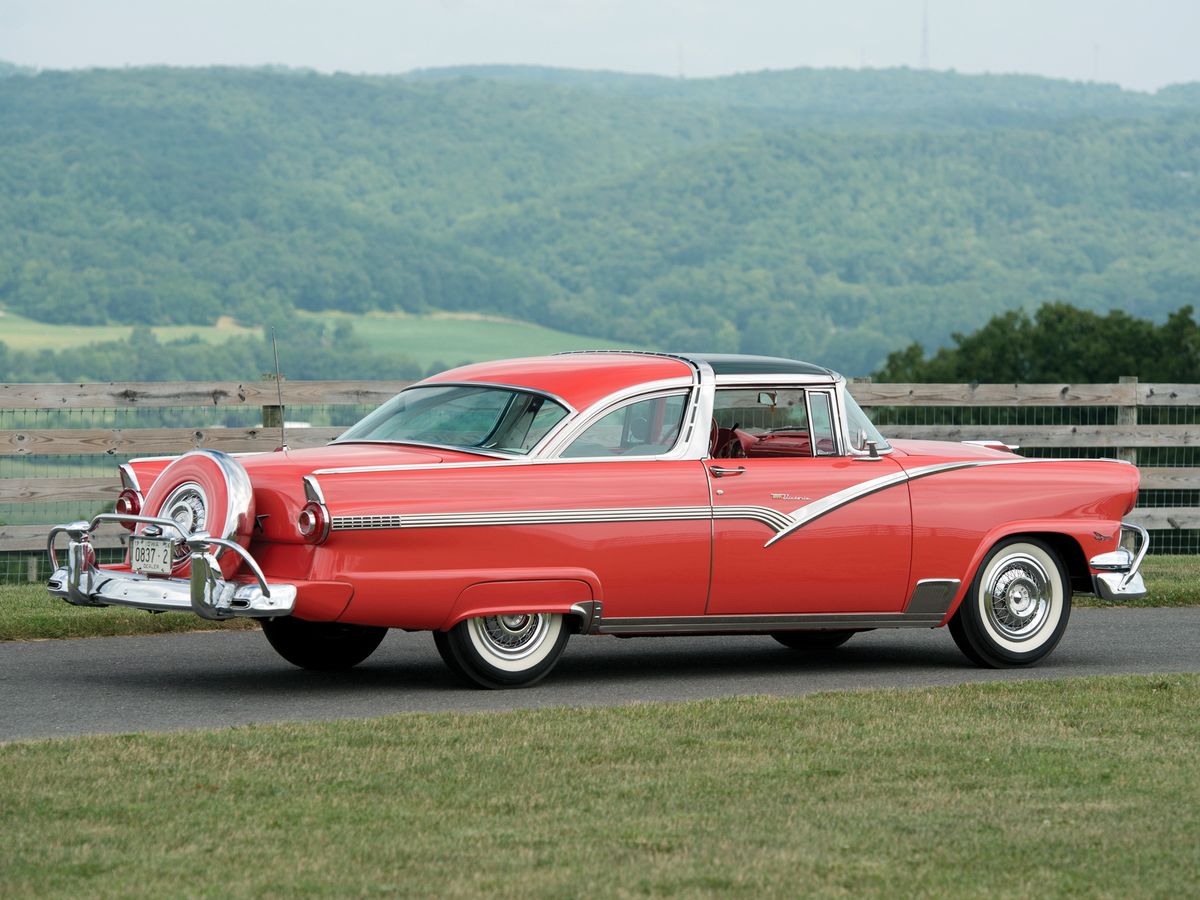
point(1068, 540)
point(577, 597)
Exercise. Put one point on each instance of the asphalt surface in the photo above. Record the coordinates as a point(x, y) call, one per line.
point(214, 679)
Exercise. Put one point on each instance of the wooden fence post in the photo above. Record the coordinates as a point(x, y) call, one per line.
point(272, 415)
point(1128, 416)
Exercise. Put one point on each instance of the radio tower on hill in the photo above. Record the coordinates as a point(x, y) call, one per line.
point(925, 37)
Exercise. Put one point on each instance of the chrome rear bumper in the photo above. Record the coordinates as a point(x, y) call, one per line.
point(205, 592)
point(1118, 579)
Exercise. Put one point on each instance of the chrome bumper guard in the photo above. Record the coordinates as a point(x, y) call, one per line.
point(1119, 579)
point(205, 592)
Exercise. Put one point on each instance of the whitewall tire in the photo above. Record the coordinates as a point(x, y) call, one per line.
point(1017, 607)
point(511, 650)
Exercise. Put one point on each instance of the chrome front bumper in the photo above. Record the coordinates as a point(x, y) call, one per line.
point(1118, 579)
point(205, 592)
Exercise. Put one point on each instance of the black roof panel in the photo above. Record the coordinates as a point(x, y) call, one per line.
point(738, 364)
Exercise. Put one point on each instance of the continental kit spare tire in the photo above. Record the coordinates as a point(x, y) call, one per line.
point(204, 491)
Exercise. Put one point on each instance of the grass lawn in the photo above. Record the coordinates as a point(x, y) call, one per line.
point(1080, 787)
point(26, 612)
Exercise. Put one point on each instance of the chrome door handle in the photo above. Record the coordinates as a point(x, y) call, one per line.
point(722, 472)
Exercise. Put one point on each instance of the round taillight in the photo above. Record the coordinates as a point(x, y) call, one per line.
point(129, 503)
point(313, 522)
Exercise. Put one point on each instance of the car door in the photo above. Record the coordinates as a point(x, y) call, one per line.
point(799, 527)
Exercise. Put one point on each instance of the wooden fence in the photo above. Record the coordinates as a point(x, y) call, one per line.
point(1125, 437)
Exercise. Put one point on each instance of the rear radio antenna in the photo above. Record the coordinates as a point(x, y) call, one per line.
point(279, 393)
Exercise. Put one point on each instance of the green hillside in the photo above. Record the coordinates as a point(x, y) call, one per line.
point(832, 214)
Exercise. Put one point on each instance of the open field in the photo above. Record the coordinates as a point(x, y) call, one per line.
point(449, 338)
point(452, 338)
point(1078, 787)
point(21, 333)
point(26, 613)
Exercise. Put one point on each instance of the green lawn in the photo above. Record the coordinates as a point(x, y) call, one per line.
point(1065, 788)
point(26, 612)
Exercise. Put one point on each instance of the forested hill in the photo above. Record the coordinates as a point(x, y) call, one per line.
point(836, 215)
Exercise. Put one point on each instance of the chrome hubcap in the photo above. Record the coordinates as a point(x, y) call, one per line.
point(1018, 598)
point(188, 507)
point(512, 636)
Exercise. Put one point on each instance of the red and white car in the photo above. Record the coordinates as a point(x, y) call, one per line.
point(505, 506)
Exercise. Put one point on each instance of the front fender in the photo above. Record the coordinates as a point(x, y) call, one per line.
point(1080, 532)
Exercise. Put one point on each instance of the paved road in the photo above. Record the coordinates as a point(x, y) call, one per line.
point(52, 688)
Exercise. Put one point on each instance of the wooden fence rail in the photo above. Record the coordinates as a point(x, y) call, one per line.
point(1124, 438)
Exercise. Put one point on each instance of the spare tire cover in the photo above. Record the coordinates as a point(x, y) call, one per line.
point(204, 491)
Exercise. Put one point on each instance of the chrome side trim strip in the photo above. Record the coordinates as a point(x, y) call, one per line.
point(766, 623)
point(523, 517)
point(812, 511)
point(780, 522)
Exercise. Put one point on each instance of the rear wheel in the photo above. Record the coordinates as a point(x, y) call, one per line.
point(504, 651)
point(1017, 607)
point(813, 640)
point(322, 646)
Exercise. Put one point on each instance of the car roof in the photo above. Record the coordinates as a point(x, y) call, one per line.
point(739, 364)
point(578, 378)
point(581, 378)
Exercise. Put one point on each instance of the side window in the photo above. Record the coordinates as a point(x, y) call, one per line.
point(643, 428)
point(823, 441)
point(769, 422)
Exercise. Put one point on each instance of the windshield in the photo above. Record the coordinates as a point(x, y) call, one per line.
point(472, 417)
point(861, 429)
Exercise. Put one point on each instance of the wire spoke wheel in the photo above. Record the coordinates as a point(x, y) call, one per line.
point(1017, 607)
point(1019, 598)
point(509, 650)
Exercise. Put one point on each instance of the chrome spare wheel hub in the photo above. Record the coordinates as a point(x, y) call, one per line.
point(187, 506)
point(513, 636)
point(1019, 598)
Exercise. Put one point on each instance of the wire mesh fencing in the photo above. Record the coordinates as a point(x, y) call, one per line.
point(60, 464)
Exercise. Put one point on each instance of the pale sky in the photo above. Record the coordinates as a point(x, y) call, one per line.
point(1140, 44)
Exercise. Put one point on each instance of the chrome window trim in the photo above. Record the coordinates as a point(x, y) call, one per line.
point(474, 451)
point(787, 379)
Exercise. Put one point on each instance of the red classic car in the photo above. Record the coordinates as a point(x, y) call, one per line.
point(507, 505)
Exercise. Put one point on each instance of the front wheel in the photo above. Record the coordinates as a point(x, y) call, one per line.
point(323, 646)
point(504, 651)
point(1017, 607)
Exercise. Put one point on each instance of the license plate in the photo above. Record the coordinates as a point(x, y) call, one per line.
point(150, 556)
